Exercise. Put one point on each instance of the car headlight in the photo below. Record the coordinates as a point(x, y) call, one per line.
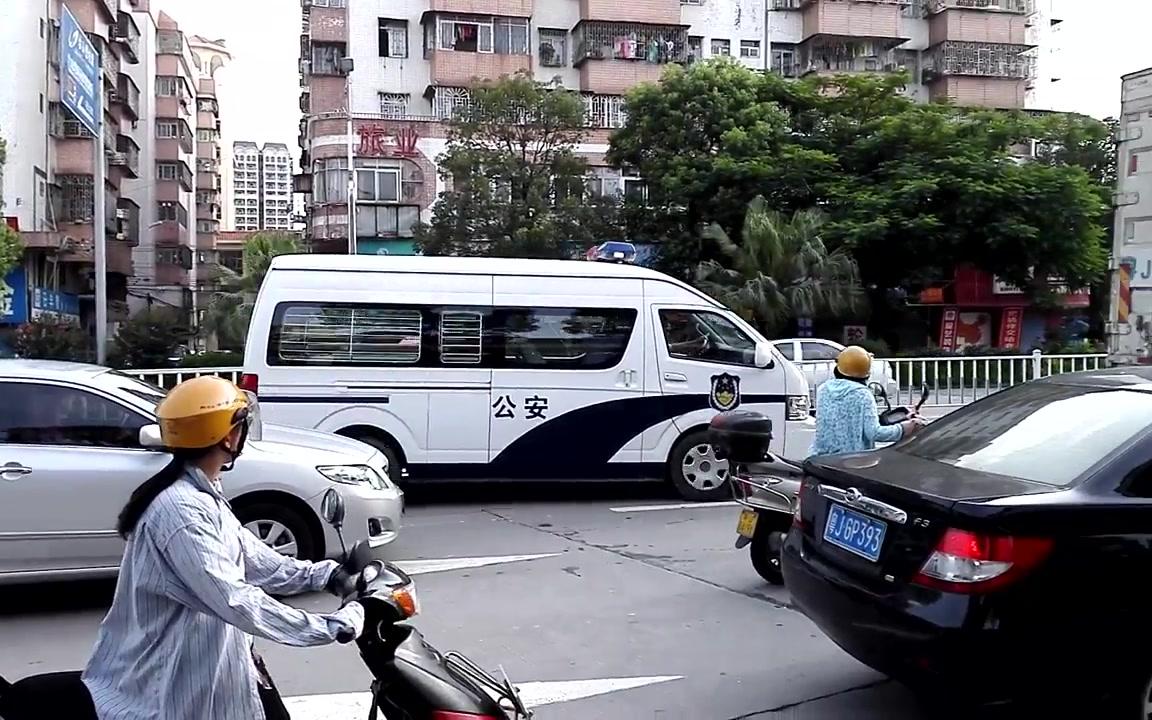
point(353, 475)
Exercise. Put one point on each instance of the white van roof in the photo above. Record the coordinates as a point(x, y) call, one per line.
point(474, 266)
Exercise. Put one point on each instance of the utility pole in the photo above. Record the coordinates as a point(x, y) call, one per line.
point(100, 238)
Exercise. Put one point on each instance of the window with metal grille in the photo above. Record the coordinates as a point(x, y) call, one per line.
point(749, 48)
point(346, 335)
point(721, 46)
point(393, 38)
point(604, 111)
point(461, 337)
point(450, 101)
point(394, 105)
point(553, 47)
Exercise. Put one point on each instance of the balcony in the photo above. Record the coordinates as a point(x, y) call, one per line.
point(980, 60)
point(111, 222)
point(111, 9)
point(976, 26)
point(171, 274)
point(127, 96)
point(502, 8)
point(76, 199)
point(1017, 7)
point(854, 18)
point(170, 42)
point(835, 56)
point(127, 148)
point(465, 69)
point(119, 257)
point(110, 60)
point(615, 57)
point(128, 213)
point(127, 35)
point(651, 12)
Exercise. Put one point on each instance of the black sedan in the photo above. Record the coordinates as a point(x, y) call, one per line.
point(1004, 552)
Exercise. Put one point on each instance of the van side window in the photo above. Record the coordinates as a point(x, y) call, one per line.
point(461, 337)
point(564, 338)
point(707, 337)
point(346, 335)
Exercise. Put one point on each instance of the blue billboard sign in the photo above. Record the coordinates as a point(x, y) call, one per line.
point(14, 297)
point(58, 305)
point(80, 86)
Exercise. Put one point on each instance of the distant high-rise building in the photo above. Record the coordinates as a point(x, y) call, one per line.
point(261, 186)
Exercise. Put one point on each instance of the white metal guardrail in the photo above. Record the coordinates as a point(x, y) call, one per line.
point(958, 380)
point(951, 381)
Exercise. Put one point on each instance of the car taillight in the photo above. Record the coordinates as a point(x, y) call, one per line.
point(447, 715)
point(797, 518)
point(968, 562)
point(250, 382)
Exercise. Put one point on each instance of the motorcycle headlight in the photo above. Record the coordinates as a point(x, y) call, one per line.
point(353, 475)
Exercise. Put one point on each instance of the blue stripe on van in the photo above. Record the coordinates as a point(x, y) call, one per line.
point(578, 444)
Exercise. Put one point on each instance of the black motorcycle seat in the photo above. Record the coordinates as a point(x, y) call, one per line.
point(52, 695)
point(422, 668)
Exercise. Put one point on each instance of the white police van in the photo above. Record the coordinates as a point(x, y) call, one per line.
point(512, 369)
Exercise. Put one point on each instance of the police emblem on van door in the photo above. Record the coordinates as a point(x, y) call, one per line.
point(725, 394)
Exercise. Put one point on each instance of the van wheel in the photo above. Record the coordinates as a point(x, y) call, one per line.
point(280, 528)
point(391, 456)
point(696, 472)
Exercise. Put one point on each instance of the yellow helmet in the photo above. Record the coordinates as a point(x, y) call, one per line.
point(854, 362)
point(199, 413)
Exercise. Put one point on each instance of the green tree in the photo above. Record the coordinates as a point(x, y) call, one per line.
point(230, 309)
point(11, 248)
point(516, 185)
point(910, 190)
point(781, 270)
point(149, 339)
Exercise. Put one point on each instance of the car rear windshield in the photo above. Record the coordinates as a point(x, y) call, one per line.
point(1042, 432)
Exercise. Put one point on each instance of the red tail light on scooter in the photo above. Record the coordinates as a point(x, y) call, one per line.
point(968, 562)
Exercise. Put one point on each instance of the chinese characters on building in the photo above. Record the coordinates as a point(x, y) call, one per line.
point(379, 141)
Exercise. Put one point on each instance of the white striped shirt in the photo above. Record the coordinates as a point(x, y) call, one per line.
point(176, 644)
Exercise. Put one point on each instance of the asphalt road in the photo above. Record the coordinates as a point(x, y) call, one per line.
point(641, 596)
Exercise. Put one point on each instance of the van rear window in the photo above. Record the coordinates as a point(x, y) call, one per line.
point(363, 334)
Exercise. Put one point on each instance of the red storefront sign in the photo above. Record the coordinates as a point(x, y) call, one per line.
point(948, 329)
point(1010, 322)
point(379, 141)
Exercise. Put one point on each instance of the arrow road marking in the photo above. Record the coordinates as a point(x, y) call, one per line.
point(421, 567)
point(534, 694)
point(675, 506)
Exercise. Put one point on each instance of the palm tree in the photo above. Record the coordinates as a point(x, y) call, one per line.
point(230, 308)
point(782, 270)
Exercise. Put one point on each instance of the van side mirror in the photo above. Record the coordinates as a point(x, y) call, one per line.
point(150, 437)
point(763, 357)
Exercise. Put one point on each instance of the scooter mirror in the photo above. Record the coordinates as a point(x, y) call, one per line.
point(332, 508)
point(923, 396)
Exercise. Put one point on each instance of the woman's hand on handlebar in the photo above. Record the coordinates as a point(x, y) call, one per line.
point(911, 426)
point(342, 584)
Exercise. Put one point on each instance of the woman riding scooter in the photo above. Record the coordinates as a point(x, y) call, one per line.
point(846, 419)
point(194, 583)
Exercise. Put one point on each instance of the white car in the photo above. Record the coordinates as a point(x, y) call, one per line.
point(817, 359)
point(75, 440)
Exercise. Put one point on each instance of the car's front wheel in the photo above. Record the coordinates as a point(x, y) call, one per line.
point(280, 528)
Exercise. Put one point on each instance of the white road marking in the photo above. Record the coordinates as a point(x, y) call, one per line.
point(534, 694)
point(674, 506)
point(421, 567)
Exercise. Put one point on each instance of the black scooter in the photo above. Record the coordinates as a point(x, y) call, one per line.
point(412, 679)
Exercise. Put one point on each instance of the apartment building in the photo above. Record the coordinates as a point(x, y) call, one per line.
point(382, 79)
point(49, 182)
point(261, 177)
point(209, 57)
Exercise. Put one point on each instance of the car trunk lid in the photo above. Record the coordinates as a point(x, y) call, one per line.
point(912, 499)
